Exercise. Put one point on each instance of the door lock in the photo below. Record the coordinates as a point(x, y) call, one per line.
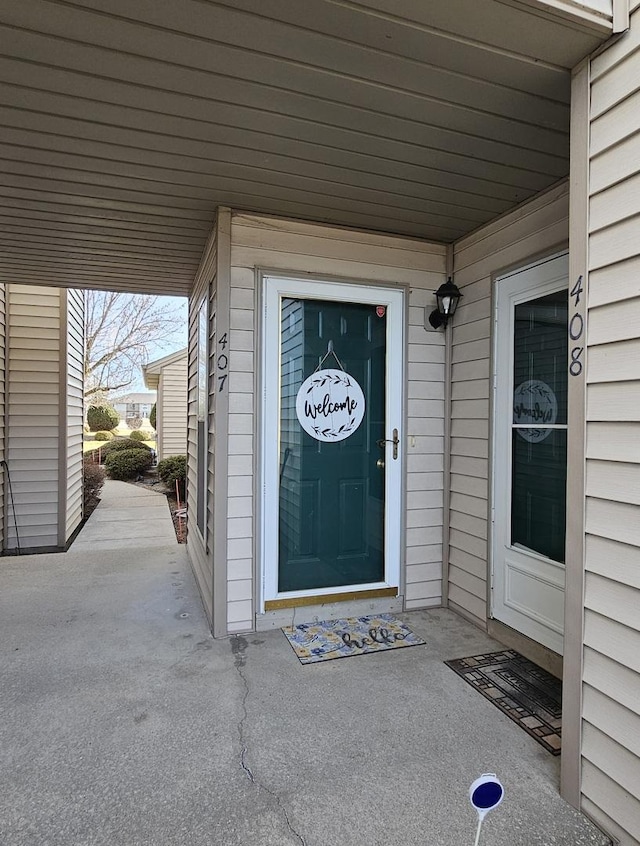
point(395, 441)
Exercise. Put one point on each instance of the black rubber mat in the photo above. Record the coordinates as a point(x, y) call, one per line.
point(526, 693)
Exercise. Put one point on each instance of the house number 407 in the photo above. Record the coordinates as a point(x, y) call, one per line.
point(222, 362)
point(576, 330)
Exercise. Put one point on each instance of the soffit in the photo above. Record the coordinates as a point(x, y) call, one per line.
point(123, 125)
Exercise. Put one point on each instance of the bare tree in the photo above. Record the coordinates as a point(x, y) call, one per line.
point(120, 328)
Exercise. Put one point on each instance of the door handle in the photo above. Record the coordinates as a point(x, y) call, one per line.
point(395, 441)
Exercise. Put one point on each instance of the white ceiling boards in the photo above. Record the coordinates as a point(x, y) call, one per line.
point(123, 125)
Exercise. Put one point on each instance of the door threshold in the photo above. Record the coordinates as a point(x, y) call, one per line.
point(324, 598)
point(330, 609)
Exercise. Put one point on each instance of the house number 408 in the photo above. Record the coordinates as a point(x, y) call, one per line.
point(576, 330)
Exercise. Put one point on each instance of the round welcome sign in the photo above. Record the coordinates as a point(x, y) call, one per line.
point(330, 405)
point(536, 406)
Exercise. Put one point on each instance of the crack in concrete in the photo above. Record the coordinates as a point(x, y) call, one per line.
point(238, 648)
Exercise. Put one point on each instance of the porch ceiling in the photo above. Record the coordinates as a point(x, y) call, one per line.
point(123, 125)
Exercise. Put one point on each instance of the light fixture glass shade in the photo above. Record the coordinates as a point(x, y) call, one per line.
point(447, 298)
point(446, 305)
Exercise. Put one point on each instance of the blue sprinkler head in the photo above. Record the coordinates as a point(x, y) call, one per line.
point(486, 793)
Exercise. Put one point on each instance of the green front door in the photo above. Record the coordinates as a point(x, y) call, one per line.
point(331, 496)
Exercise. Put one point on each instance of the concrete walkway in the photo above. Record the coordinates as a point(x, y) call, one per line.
point(125, 724)
point(127, 516)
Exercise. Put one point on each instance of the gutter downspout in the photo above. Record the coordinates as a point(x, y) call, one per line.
point(446, 487)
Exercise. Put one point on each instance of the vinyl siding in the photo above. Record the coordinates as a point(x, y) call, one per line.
point(199, 547)
point(611, 680)
point(535, 228)
point(242, 437)
point(172, 409)
point(34, 318)
point(329, 252)
point(74, 410)
point(3, 334)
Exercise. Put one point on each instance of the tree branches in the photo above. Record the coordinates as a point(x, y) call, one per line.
point(120, 329)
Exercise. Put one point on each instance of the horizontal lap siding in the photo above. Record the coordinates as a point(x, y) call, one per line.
point(241, 504)
point(212, 418)
point(424, 444)
point(3, 334)
point(611, 712)
point(535, 228)
point(201, 557)
point(159, 407)
point(34, 319)
point(297, 247)
point(75, 412)
point(173, 395)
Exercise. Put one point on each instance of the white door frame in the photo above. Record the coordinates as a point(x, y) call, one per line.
point(543, 277)
point(274, 289)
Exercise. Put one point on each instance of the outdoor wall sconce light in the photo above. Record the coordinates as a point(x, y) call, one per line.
point(447, 297)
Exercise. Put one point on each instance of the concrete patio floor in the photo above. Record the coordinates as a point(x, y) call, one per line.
point(124, 723)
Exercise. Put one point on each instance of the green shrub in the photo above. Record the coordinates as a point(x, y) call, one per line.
point(134, 422)
point(172, 470)
point(152, 417)
point(102, 418)
point(126, 464)
point(92, 482)
point(137, 435)
point(123, 444)
point(103, 436)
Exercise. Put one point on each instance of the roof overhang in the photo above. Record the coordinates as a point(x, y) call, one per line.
point(124, 125)
point(600, 14)
point(151, 380)
point(151, 372)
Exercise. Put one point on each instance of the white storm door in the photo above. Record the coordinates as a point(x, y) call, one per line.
point(332, 486)
point(530, 451)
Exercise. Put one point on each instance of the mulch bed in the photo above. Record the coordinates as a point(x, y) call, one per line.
point(179, 516)
point(90, 506)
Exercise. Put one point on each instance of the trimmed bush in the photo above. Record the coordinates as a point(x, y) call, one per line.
point(134, 422)
point(103, 436)
point(92, 482)
point(137, 435)
point(172, 470)
point(152, 416)
point(102, 418)
point(127, 464)
point(123, 444)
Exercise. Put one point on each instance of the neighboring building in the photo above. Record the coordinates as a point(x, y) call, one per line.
point(41, 396)
point(351, 158)
point(134, 405)
point(168, 377)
